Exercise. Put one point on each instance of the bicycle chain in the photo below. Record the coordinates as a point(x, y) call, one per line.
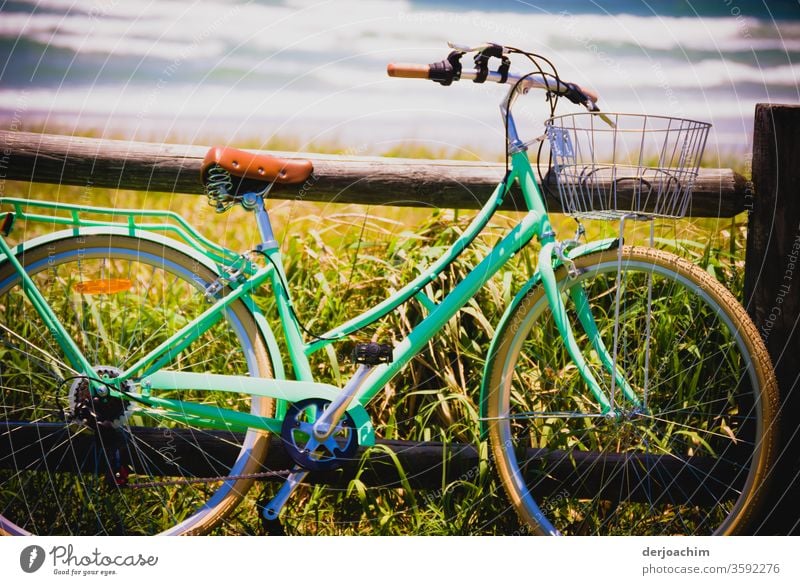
point(189, 481)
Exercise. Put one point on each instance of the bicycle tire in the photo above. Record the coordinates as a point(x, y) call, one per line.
point(694, 460)
point(69, 486)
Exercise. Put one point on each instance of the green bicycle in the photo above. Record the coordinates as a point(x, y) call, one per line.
point(625, 392)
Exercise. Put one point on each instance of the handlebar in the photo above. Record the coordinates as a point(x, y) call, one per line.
point(572, 91)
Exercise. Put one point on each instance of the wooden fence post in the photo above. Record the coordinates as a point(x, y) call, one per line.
point(772, 289)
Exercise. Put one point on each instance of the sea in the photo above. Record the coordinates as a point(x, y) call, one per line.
point(311, 72)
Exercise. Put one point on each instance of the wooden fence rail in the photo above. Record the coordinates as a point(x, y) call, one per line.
point(428, 465)
point(173, 168)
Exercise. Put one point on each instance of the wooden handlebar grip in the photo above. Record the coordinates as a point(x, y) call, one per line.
point(410, 70)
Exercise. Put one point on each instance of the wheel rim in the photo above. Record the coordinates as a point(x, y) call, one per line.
point(576, 481)
point(73, 490)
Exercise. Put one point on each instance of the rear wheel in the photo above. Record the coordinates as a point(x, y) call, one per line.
point(691, 458)
point(73, 464)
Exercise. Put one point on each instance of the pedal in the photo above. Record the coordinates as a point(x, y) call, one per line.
point(372, 354)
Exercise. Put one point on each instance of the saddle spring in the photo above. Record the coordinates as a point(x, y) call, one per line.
point(218, 189)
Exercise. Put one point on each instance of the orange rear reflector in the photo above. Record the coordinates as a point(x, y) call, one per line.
point(106, 286)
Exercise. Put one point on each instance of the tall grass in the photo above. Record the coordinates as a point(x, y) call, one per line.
point(341, 260)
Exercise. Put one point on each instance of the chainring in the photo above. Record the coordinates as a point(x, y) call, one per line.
point(304, 449)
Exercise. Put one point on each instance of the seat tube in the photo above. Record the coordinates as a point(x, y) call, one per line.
point(270, 248)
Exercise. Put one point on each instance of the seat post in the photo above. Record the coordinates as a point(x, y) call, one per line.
point(268, 241)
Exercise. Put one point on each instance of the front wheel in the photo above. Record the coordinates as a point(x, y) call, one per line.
point(687, 454)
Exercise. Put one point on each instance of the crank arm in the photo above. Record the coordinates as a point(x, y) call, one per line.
point(276, 504)
point(326, 423)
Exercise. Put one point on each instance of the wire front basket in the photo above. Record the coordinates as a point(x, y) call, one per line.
point(612, 165)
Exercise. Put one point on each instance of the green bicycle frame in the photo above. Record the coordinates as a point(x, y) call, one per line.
point(149, 371)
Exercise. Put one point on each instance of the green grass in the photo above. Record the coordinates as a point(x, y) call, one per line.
point(342, 259)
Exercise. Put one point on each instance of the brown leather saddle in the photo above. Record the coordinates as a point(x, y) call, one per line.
point(254, 172)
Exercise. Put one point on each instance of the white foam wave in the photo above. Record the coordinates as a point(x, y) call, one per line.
point(453, 108)
point(361, 27)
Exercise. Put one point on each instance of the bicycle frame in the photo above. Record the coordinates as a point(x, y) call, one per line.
point(148, 370)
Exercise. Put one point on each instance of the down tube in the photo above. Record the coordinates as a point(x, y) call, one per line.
point(458, 297)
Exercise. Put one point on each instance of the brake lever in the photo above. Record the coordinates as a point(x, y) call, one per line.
point(595, 110)
point(592, 106)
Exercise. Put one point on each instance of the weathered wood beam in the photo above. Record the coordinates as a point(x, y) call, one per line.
point(173, 168)
point(425, 465)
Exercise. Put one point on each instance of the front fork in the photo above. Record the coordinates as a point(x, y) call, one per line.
point(547, 254)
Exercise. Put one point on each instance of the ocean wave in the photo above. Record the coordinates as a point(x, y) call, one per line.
point(386, 101)
point(368, 27)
